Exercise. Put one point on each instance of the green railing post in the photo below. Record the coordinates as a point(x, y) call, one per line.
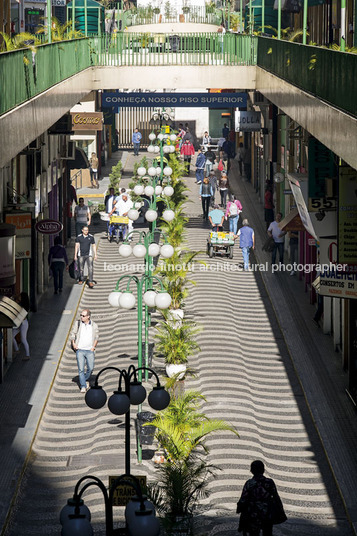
point(279, 19)
point(85, 19)
point(343, 26)
point(49, 20)
point(263, 16)
point(304, 26)
point(73, 15)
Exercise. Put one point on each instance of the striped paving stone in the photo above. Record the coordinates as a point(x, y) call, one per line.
point(246, 374)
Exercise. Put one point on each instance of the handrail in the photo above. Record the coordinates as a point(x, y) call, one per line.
point(74, 177)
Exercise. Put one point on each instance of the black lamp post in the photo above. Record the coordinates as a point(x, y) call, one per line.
point(130, 392)
point(140, 517)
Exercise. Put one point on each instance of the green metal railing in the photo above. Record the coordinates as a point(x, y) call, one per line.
point(181, 49)
point(24, 74)
point(330, 75)
point(147, 16)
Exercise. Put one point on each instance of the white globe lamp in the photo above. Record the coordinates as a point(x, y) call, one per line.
point(152, 136)
point(151, 149)
point(172, 149)
point(149, 190)
point(154, 250)
point(127, 300)
point(139, 251)
point(168, 191)
point(141, 171)
point(167, 251)
point(133, 214)
point(158, 171)
point(167, 171)
point(150, 298)
point(138, 205)
point(163, 300)
point(138, 189)
point(114, 298)
point(160, 137)
point(166, 149)
point(152, 171)
point(156, 149)
point(158, 189)
point(151, 215)
point(173, 137)
point(168, 215)
point(125, 250)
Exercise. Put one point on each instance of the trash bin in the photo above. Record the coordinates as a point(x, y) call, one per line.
point(146, 434)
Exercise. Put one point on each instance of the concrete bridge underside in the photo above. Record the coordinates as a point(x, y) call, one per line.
point(332, 127)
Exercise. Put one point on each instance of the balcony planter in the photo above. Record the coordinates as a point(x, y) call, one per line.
point(178, 371)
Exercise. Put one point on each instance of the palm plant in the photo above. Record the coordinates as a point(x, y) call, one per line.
point(21, 40)
point(174, 229)
point(176, 181)
point(173, 272)
point(176, 341)
point(59, 32)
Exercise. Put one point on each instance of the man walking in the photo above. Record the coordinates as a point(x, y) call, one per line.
point(279, 238)
point(200, 166)
point(82, 216)
point(84, 251)
point(187, 150)
point(84, 340)
point(136, 139)
point(246, 242)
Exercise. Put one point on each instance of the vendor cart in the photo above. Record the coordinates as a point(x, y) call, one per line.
point(220, 243)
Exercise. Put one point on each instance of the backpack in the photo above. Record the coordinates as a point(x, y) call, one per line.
point(233, 209)
point(73, 270)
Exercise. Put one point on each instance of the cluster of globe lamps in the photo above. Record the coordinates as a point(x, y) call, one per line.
point(162, 137)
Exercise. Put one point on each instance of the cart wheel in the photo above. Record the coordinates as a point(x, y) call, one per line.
point(231, 252)
point(210, 252)
point(118, 236)
point(207, 248)
point(110, 238)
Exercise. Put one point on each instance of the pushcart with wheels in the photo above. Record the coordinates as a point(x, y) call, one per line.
point(118, 228)
point(220, 243)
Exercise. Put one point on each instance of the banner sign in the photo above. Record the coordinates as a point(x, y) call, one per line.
point(123, 492)
point(347, 216)
point(247, 121)
point(174, 100)
point(301, 206)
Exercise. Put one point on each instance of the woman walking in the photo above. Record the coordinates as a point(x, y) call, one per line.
point(234, 208)
point(260, 505)
point(58, 261)
point(23, 300)
point(206, 193)
point(223, 188)
point(188, 151)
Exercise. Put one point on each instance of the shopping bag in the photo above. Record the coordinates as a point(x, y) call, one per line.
point(73, 270)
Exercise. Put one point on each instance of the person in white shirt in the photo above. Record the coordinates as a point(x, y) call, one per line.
point(206, 141)
point(279, 238)
point(122, 205)
point(84, 340)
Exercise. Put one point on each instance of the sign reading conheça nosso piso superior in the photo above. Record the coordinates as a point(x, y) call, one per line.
point(174, 100)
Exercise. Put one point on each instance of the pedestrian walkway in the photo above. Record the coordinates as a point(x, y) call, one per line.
point(260, 360)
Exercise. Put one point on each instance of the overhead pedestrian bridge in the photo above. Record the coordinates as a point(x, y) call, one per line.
point(38, 88)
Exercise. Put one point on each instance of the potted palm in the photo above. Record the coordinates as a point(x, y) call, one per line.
point(175, 341)
point(180, 431)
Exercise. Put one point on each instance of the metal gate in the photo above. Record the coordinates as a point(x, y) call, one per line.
point(131, 118)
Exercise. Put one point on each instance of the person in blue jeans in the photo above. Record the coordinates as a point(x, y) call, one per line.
point(278, 235)
point(246, 242)
point(206, 193)
point(136, 139)
point(84, 340)
point(200, 166)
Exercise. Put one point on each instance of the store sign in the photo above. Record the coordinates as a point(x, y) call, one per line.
point(338, 284)
point(124, 493)
point(58, 3)
point(347, 216)
point(22, 222)
point(49, 227)
point(87, 120)
point(175, 100)
point(247, 121)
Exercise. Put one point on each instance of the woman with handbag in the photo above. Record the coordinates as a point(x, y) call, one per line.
point(260, 505)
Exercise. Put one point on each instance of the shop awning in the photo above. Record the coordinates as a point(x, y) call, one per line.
point(292, 222)
point(11, 313)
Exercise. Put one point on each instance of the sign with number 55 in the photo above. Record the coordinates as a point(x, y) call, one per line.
point(318, 203)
